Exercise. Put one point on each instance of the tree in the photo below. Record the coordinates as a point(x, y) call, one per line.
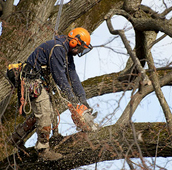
point(31, 22)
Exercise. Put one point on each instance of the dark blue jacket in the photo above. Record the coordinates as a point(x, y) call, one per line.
point(59, 66)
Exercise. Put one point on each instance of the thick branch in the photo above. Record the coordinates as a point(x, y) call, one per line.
point(7, 9)
point(145, 24)
point(159, 93)
point(96, 86)
point(109, 143)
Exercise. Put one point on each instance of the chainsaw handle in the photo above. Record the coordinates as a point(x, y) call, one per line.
point(79, 108)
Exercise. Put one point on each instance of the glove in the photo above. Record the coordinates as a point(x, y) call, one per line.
point(79, 109)
point(82, 108)
point(83, 101)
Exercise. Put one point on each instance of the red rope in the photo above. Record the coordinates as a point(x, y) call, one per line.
point(22, 100)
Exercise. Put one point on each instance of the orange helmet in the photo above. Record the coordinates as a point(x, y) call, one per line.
point(80, 37)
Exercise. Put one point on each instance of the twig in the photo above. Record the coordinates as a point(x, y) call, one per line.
point(164, 3)
point(168, 10)
point(135, 138)
point(156, 153)
point(130, 164)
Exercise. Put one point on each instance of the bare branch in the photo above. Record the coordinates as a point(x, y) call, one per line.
point(137, 144)
point(110, 48)
point(159, 93)
point(136, 99)
point(117, 12)
point(164, 3)
point(168, 10)
point(151, 12)
point(156, 41)
point(130, 164)
point(156, 149)
point(105, 46)
point(130, 51)
point(145, 24)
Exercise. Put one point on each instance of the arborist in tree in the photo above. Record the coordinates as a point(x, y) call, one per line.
point(54, 57)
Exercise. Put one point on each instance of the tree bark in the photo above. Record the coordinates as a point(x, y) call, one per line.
point(32, 23)
point(7, 9)
point(136, 99)
point(159, 93)
point(109, 143)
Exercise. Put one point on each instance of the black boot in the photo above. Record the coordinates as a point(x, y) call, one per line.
point(43, 145)
point(49, 154)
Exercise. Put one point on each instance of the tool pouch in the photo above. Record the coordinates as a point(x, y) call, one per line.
point(32, 80)
point(13, 73)
point(35, 88)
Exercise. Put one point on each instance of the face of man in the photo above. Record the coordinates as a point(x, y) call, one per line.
point(78, 49)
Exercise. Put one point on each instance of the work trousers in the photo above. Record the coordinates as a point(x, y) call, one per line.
point(44, 114)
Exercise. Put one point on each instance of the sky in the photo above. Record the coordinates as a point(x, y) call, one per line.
point(102, 61)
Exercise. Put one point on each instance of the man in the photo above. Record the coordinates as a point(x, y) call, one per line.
point(57, 57)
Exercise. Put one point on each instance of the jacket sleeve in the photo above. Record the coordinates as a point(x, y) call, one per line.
point(76, 83)
point(58, 70)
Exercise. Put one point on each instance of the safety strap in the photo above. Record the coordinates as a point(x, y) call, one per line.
point(24, 93)
point(51, 52)
point(51, 85)
point(59, 45)
point(22, 100)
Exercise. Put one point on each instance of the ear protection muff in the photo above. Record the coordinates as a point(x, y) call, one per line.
point(73, 42)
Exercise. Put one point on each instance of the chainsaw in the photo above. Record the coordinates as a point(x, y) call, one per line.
point(82, 118)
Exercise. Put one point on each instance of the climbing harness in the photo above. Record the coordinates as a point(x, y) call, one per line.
point(28, 84)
